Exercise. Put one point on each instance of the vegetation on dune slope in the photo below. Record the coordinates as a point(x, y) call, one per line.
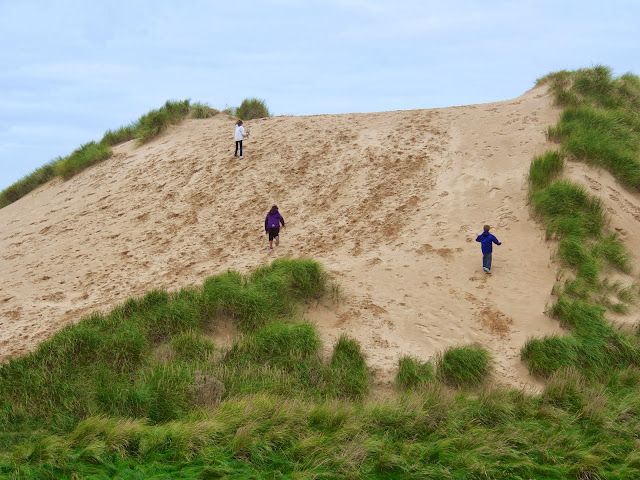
point(148, 391)
point(147, 127)
point(600, 125)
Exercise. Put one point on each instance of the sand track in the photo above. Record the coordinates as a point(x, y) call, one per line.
point(389, 202)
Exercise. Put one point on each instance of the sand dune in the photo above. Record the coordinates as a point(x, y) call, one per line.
point(389, 202)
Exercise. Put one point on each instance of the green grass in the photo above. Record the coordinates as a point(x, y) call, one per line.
point(81, 158)
point(155, 122)
point(601, 120)
point(413, 373)
point(100, 399)
point(28, 183)
point(464, 366)
point(121, 135)
point(251, 108)
point(599, 125)
point(544, 169)
point(348, 373)
point(568, 210)
point(575, 429)
point(191, 347)
point(202, 110)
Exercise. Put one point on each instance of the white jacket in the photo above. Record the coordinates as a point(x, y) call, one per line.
point(240, 133)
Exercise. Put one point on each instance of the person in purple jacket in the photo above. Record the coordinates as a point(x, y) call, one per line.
point(486, 242)
point(272, 226)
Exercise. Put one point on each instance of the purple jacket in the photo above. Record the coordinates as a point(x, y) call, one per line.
point(486, 239)
point(273, 220)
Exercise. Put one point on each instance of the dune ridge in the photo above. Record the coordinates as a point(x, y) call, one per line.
point(389, 202)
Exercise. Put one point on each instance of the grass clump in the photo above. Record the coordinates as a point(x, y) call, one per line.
point(85, 156)
point(413, 373)
point(567, 209)
point(599, 125)
point(348, 372)
point(191, 347)
point(466, 366)
point(121, 135)
point(278, 344)
point(544, 169)
point(155, 122)
point(251, 108)
point(202, 111)
point(601, 121)
point(544, 356)
point(28, 183)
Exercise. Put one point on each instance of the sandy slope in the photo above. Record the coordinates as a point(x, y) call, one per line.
point(389, 202)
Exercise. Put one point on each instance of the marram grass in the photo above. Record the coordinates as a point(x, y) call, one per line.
point(599, 126)
point(97, 401)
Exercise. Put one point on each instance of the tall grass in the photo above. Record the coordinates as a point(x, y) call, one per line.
point(106, 363)
point(81, 158)
point(413, 373)
point(573, 430)
point(601, 121)
point(600, 126)
point(202, 110)
point(155, 122)
point(544, 169)
point(251, 108)
point(464, 366)
point(28, 183)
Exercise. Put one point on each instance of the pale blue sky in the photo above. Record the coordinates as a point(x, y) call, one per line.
point(70, 70)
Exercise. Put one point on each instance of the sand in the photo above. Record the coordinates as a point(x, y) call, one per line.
point(390, 203)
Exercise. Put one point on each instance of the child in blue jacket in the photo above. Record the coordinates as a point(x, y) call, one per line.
point(486, 242)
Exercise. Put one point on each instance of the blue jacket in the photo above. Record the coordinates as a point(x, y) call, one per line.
point(486, 239)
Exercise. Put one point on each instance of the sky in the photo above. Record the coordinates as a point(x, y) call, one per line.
point(71, 70)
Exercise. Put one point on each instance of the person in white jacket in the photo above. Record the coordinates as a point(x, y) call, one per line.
point(240, 135)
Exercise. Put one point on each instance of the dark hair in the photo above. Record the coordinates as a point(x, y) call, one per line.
point(239, 122)
point(273, 209)
point(486, 228)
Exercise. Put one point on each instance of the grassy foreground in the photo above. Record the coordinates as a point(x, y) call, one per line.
point(148, 390)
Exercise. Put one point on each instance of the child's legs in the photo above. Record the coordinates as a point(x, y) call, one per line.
point(273, 234)
point(240, 147)
point(237, 143)
point(486, 261)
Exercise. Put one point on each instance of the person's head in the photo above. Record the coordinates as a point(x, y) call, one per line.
point(239, 122)
point(486, 228)
point(274, 209)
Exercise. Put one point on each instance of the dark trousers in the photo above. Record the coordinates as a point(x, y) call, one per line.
point(238, 142)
